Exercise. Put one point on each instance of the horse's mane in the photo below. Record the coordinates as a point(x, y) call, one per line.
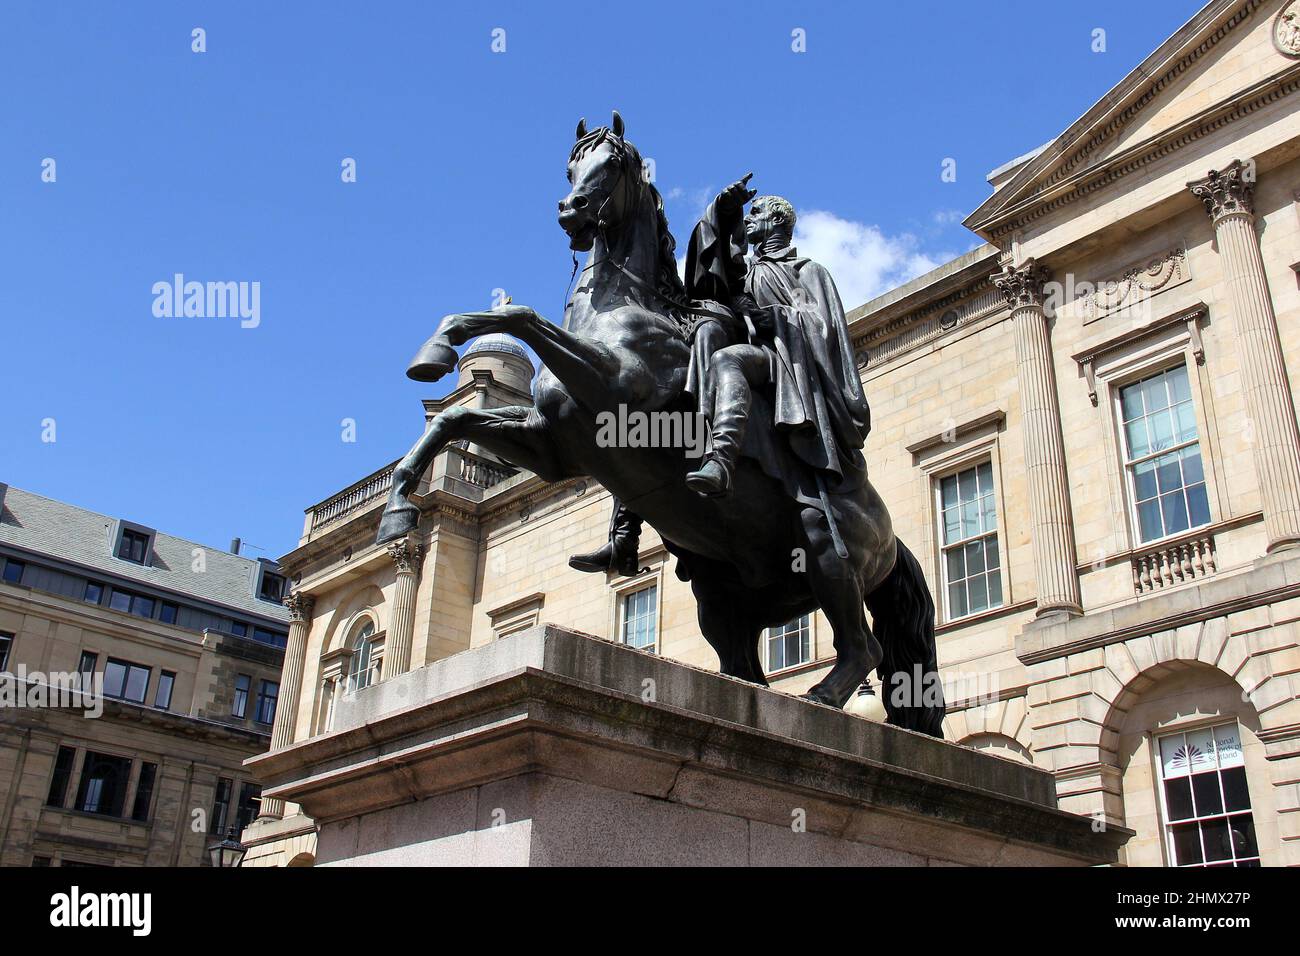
point(667, 281)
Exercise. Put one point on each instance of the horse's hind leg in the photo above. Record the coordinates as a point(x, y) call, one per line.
point(516, 433)
point(838, 591)
point(731, 633)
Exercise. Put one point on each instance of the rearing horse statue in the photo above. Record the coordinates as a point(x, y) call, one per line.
point(756, 558)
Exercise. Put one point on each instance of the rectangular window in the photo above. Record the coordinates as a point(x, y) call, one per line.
point(1162, 455)
point(270, 637)
point(267, 694)
point(136, 604)
point(103, 784)
point(250, 795)
point(6, 643)
point(167, 613)
point(968, 528)
point(220, 805)
point(789, 645)
point(639, 618)
point(133, 547)
point(86, 667)
point(94, 592)
point(238, 628)
point(62, 774)
point(162, 699)
point(144, 791)
point(1206, 803)
point(272, 587)
point(125, 680)
point(14, 571)
point(242, 684)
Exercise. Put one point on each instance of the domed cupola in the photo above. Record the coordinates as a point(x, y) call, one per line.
point(503, 357)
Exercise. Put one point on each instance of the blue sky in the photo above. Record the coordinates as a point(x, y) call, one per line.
point(225, 166)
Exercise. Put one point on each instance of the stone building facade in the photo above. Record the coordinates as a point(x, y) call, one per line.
point(1085, 429)
point(137, 672)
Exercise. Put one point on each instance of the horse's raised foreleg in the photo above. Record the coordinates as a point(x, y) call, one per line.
point(588, 369)
point(516, 433)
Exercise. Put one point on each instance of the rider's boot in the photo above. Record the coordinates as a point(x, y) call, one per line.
point(731, 410)
point(620, 552)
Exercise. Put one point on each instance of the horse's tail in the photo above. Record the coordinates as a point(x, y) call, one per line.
point(902, 613)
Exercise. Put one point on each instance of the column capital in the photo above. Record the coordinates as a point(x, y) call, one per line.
point(300, 604)
point(1024, 286)
point(405, 554)
point(1228, 191)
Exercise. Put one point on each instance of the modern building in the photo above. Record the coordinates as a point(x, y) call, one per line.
point(1085, 429)
point(187, 641)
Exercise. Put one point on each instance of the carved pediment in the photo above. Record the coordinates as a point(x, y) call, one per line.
point(1172, 98)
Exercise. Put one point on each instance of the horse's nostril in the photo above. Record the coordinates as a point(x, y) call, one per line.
point(579, 202)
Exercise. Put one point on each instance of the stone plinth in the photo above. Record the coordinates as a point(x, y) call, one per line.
point(554, 748)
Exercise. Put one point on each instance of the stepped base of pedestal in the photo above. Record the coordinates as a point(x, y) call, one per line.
point(554, 748)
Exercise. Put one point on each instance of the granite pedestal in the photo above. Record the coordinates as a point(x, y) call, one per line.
point(555, 748)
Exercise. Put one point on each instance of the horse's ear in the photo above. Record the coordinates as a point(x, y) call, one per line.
point(582, 128)
point(618, 125)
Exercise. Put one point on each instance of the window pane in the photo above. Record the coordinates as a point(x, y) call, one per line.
point(1149, 519)
point(1144, 480)
point(1162, 430)
point(957, 599)
point(979, 594)
point(991, 552)
point(1198, 505)
point(1135, 432)
point(1174, 509)
point(114, 679)
point(1218, 846)
point(1178, 798)
point(995, 588)
point(1193, 471)
point(1173, 756)
point(137, 681)
point(1205, 791)
point(1187, 844)
point(120, 601)
point(1227, 743)
point(985, 474)
point(1154, 393)
point(1236, 796)
point(1200, 749)
point(1178, 385)
point(1130, 400)
point(975, 557)
point(1186, 422)
point(948, 491)
point(1169, 475)
point(956, 562)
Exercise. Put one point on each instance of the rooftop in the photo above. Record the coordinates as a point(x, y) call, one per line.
point(42, 526)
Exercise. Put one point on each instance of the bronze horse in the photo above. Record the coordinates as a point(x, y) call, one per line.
point(756, 558)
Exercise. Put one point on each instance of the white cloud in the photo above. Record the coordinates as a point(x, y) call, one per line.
point(863, 261)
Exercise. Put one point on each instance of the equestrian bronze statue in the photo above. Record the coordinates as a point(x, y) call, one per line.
point(778, 519)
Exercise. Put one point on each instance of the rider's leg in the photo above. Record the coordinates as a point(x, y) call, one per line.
point(735, 371)
point(620, 552)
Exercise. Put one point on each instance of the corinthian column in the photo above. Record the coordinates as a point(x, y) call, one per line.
point(401, 624)
point(286, 708)
point(1227, 195)
point(1040, 416)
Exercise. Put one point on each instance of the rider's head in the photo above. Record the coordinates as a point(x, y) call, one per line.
point(769, 216)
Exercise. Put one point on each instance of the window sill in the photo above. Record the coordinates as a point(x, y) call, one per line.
point(989, 615)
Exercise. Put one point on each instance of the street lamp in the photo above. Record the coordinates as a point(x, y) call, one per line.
point(229, 853)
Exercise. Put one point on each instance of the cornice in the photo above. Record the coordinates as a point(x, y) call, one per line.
point(1014, 218)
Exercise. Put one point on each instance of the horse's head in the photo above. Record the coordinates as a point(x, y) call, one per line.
point(607, 180)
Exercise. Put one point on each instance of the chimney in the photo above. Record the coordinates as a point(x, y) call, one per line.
point(234, 545)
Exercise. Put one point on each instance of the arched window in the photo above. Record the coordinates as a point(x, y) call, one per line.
point(361, 671)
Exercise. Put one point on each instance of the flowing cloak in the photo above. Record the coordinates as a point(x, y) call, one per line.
point(816, 402)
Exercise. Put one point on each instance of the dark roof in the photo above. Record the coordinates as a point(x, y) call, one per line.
point(75, 536)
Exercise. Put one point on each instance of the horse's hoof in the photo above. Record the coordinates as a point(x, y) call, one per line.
point(397, 523)
point(434, 360)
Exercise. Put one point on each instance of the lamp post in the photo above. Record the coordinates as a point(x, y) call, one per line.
point(229, 853)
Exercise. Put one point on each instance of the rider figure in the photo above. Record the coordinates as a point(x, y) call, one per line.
point(796, 341)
